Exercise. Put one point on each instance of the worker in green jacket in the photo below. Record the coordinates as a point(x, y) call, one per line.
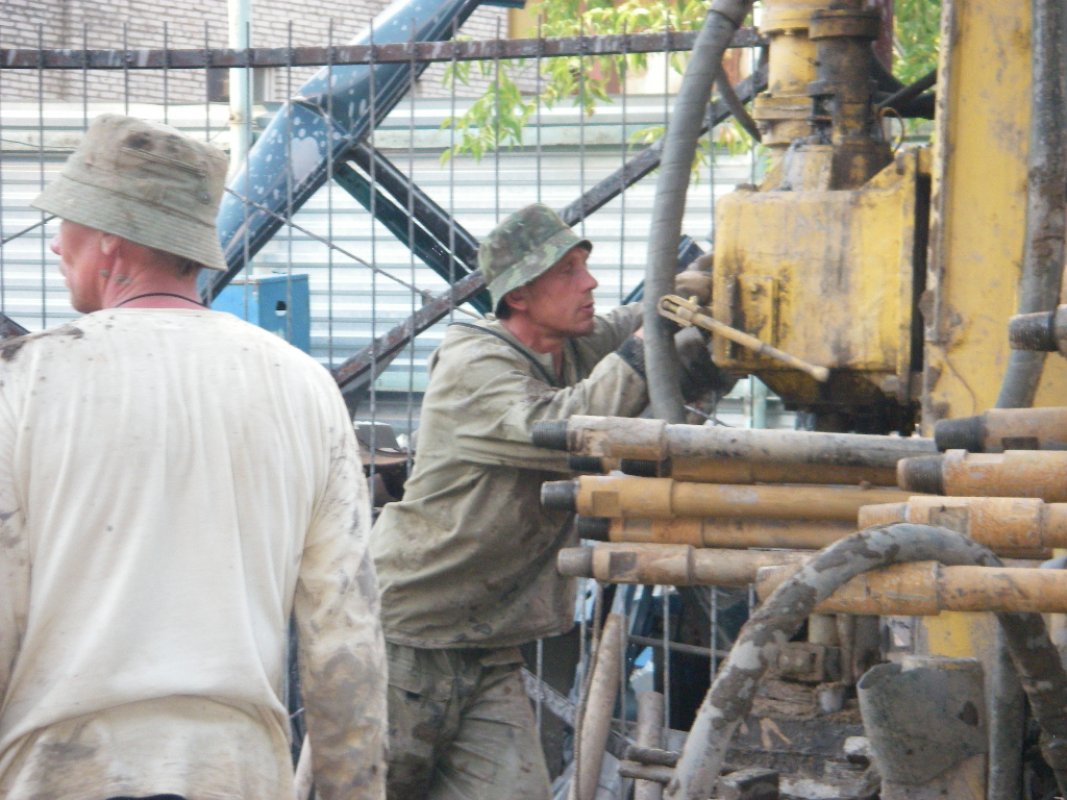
point(466, 560)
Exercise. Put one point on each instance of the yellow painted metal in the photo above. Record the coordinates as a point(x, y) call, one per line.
point(784, 110)
point(928, 588)
point(978, 209)
point(826, 276)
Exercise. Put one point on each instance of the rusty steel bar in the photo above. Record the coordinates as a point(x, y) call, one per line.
point(646, 773)
point(340, 55)
point(649, 734)
point(1001, 429)
point(595, 723)
point(665, 498)
point(726, 533)
point(671, 565)
point(773, 623)
point(732, 455)
point(1016, 527)
point(928, 588)
point(1013, 473)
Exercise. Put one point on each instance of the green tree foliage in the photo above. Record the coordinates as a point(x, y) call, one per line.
point(916, 36)
point(497, 117)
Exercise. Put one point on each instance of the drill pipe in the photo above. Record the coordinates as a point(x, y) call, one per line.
point(927, 588)
point(1014, 473)
point(1001, 429)
point(731, 455)
point(1016, 527)
point(664, 498)
point(735, 533)
point(670, 565)
point(703, 470)
point(1041, 331)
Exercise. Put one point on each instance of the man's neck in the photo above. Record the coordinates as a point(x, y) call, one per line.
point(534, 337)
point(145, 286)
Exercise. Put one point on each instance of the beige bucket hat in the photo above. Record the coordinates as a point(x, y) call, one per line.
point(146, 182)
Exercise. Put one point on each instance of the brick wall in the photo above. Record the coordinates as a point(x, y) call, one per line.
point(136, 24)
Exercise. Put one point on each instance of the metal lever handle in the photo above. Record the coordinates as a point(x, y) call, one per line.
point(686, 312)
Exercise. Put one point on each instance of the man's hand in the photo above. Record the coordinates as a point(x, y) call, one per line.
point(695, 281)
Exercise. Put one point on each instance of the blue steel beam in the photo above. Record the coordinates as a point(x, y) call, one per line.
point(315, 130)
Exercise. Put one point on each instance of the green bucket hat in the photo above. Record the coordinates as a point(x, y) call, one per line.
point(522, 247)
point(148, 183)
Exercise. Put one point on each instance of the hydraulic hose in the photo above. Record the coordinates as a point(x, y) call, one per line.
point(679, 146)
point(730, 697)
point(1043, 246)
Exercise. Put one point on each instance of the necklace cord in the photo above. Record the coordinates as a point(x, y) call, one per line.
point(159, 294)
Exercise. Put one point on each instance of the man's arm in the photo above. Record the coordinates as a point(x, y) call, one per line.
point(491, 397)
point(14, 555)
point(341, 651)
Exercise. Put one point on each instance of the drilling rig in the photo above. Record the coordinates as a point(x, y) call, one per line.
point(903, 296)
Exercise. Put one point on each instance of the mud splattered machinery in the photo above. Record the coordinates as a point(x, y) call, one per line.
point(872, 285)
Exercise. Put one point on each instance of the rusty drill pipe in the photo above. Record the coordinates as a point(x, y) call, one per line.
point(772, 624)
point(732, 455)
point(1040, 331)
point(655, 440)
point(729, 533)
point(703, 470)
point(1014, 473)
point(665, 498)
point(670, 565)
point(928, 588)
point(1001, 429)
point(1014, 527)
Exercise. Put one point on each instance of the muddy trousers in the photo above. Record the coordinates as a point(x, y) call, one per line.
point(461, 727)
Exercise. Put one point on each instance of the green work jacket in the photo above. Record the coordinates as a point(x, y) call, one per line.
point(468, 557)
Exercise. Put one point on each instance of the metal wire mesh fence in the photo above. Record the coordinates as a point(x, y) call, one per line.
point(365, 269)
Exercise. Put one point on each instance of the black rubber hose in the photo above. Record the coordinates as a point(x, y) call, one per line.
point(730, 697)
point(679, 146)
point(1043, 247)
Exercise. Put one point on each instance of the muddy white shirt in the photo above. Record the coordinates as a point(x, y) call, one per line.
point(172, 484)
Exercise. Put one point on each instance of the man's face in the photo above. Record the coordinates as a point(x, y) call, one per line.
point(80, 256)
point(560, 301)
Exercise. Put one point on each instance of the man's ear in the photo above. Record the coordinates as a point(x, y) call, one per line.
point(517, 299)
point(109, 244)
